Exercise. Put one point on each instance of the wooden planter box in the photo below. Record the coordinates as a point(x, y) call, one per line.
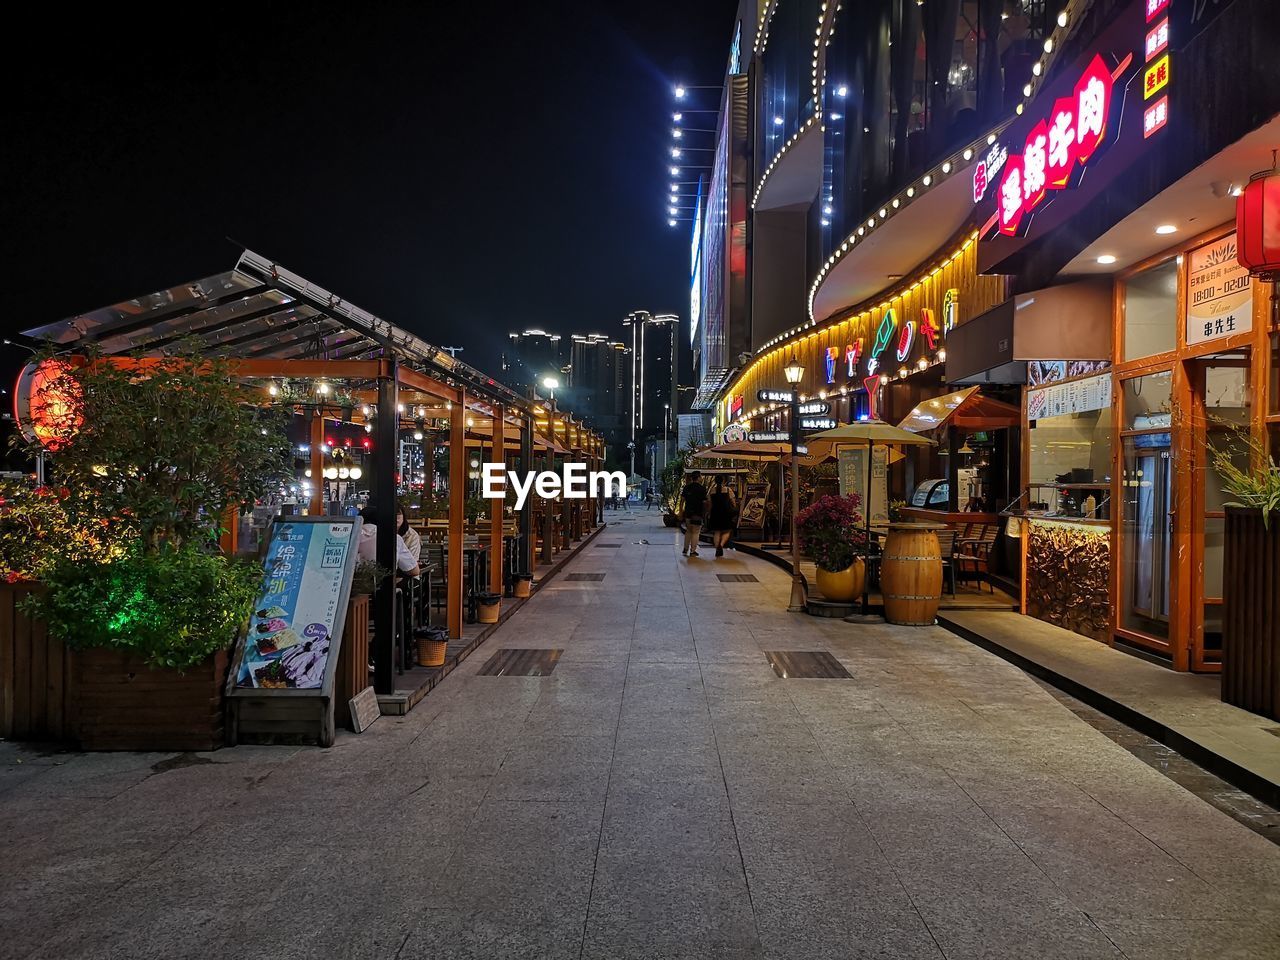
point(1251, 613)
point(353, 660)
point(122, 704)
point(37, 675)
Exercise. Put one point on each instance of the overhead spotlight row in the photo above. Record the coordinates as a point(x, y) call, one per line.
point(762, 27)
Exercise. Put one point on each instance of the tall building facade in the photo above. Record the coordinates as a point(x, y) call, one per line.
point(1021, 228)
point(532, 356)
point(597, 384)
point(654, 342)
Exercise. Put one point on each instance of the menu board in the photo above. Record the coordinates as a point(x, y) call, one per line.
point(298, 616)
point(853, 479)
point(1219, 293)
point(1074, 396)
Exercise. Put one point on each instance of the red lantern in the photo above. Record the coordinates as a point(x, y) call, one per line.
point(1258, 225)
point(47, 402)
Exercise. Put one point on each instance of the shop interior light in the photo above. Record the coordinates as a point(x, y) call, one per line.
point(1106, 259)
point(331, 473)
point(1166, 228)
point(356, 473)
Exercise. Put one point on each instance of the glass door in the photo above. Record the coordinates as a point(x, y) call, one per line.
point(1220, 386)
point(1146, 509)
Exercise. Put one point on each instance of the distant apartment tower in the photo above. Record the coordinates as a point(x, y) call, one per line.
point(531, 356)
point(655, 363)
point(596, 383)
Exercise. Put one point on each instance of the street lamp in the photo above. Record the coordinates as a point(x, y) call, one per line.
point(666, 427)
point(794, 372)
point(552, 384)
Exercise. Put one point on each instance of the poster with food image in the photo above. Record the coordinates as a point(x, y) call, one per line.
point(297, 619)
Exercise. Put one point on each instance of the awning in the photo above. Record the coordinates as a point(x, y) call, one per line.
point(1067, 322)
point(967, 409)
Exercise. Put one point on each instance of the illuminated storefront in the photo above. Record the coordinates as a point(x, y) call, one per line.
point(1124, 174)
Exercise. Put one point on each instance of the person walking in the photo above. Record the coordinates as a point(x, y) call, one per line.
point(693, 505)
point(722, 515)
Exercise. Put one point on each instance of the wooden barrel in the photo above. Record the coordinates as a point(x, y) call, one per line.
point(911, 574)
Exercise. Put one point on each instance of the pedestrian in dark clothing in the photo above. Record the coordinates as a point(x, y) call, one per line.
point(693, 506)
point(722, 516)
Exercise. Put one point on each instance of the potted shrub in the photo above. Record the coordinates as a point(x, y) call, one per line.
point(1251, 576)
point(158, 452)
point(832, 535)
point(670, 483)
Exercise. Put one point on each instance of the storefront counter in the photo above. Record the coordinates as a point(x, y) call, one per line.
point(1066, 572)
point(957, 519)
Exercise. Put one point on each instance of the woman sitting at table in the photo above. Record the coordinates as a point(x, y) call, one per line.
point(367, 549)
point(412, 539)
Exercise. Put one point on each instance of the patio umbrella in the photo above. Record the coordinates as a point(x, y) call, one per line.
point(869, 434)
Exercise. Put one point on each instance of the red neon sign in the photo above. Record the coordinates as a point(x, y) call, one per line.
point(1156, 7)
point(1157, 39)
point(1155, 117)
point(1057, 148)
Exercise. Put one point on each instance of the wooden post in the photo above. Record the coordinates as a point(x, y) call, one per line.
point(316, 507)
point(526, 515)
point(498, 454)
point(457, 513)
point(387, 433)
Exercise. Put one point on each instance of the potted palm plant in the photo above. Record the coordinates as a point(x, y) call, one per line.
point(1251, 575)
point(832, 535)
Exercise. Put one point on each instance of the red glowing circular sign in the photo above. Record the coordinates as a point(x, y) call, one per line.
point(46, 403)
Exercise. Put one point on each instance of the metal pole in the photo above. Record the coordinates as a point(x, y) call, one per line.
point(866, 511)
point(797, 604)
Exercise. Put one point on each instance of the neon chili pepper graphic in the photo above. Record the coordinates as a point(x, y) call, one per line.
point(906, 340)
point(885, 332)
point(929, 328)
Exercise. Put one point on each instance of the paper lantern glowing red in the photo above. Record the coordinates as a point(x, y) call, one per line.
point(46, 404)
point(1258, 225)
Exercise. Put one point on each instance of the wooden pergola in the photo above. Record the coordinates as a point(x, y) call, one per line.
point(277, 326)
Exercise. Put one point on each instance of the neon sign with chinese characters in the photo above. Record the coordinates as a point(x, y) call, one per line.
point(1058, 149)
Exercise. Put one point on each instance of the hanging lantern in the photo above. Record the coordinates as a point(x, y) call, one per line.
point(47, 403)
point(1258, 224)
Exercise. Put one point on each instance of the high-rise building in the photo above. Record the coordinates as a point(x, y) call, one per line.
point(531, 356)
point(654, 377)
point(596, 384)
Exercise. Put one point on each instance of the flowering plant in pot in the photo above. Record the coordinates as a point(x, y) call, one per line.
point(831, 533)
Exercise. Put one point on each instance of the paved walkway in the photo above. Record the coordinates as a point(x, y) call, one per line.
point(662, 794)
point(1184, 710)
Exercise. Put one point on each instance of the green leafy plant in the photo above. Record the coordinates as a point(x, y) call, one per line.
point(154, 454)
point(168, 443)
point(831, 532)
point(1255, 486)
point(41, 525)
point(174, 606)
point(897, 510)
point(367, 576)
point(669, 485)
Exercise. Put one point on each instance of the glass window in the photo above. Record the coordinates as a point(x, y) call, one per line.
point(1148, 401)
point(1151, 311)
point(1146, 538)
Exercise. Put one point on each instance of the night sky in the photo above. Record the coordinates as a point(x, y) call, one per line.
point(461, 174)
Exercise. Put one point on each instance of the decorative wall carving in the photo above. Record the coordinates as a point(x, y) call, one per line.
point(1068, 577)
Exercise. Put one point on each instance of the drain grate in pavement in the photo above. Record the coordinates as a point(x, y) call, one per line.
point(806, 665)
point(586, 577)
point(737, 578)
point(511, 662)
point(607, 546)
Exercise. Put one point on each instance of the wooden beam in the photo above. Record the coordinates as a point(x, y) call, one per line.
point(498, 455)
point(429, 385)
point(457, 516)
